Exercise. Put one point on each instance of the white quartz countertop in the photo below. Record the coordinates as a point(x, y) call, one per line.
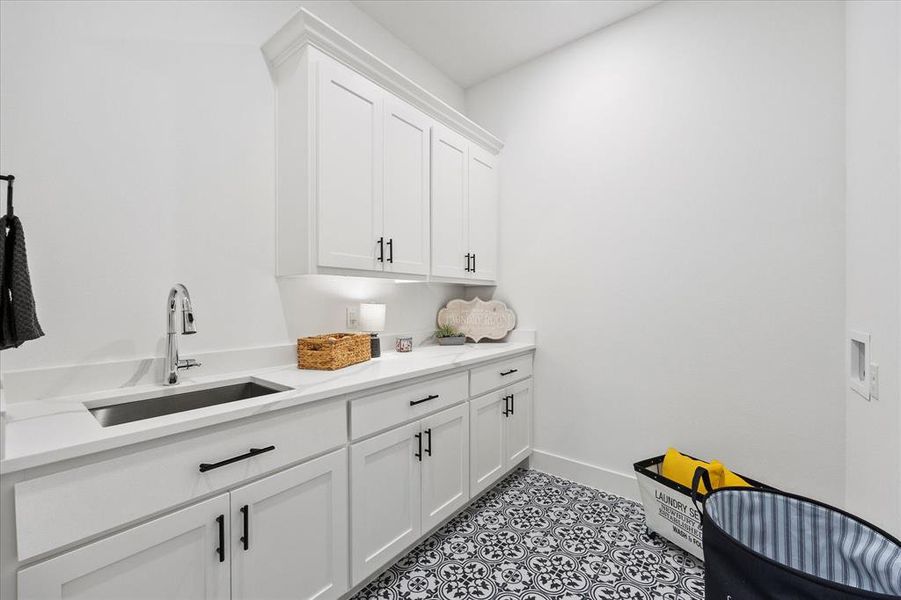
point(47, 431)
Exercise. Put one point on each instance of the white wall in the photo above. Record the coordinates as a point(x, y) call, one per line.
point(673, 226)
point(142, 138)
point(873, 303)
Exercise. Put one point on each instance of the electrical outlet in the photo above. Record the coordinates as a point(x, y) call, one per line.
point(353, 317)
point(874, 381)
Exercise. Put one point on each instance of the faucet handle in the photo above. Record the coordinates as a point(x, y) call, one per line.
point(188, 363)
point(187, 319)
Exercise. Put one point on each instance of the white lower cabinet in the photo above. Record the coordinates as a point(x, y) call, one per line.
point(284, 536)
point(183, 555)
point(385, 497)
point(500, 433)
point(518, 422)
point(445, 465)
point(310, 531)
point(403, 483)
point(289, 533)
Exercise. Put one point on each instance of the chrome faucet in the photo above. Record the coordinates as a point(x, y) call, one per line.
point(173, 363)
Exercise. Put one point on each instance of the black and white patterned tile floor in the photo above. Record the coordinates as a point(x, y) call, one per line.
point(539, 537)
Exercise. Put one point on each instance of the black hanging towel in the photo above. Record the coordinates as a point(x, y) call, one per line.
point(767, 544)
point(18, 317)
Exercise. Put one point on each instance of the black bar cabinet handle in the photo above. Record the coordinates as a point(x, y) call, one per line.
point(512, 404)
point(381, 249)
point(473, 262)
point(506, 406)
point(391, 250)
point(221, 549)
point(415, 402)
point(419, 444)
point(510, 372)
point(428, 432)
point(468, 256)
point(204, 467)
point(245, 539)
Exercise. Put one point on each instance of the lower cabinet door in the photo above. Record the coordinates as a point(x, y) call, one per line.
point(183, 555)
point(385, 497)
point(486, 434)
point(518, 423)
point(445, 464)
point(289, 533)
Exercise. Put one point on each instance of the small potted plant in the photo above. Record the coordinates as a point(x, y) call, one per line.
point(448, 336)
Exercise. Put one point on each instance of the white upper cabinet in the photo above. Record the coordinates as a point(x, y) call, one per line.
point(450, 219)
point(405, 223)
point(368, 182)
point(348, 158)
point(483, 217)
point(464, 209)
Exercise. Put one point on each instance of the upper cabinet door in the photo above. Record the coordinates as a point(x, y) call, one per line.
point(450, 231)
point(385, 498)
point(183, 555)
point(445, 464)
point(348, 160)
point(289, 533)
point(483, 214)
point(406, 191)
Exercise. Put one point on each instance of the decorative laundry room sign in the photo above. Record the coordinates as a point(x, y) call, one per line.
point(477, 319)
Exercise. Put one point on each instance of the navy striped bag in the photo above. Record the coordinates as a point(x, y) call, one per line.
point(763, 543)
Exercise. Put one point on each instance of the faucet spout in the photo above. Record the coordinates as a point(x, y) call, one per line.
point(173, 363)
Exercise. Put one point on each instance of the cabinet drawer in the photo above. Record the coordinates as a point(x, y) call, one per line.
point(71, 505)
point(381, 411)
point(499, 374)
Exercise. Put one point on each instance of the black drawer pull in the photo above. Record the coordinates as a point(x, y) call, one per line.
point(415, 402)
point(510, 372)
point(418, 453)
point(220, 520)
point(381, 244)
point(468, 258)
point(245, 539)
point(204, 467)
point(512, 403)
point(506, 406)
point(428, 450)
point(391, 250)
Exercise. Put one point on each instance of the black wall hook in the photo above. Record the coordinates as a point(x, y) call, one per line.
point(9, 194)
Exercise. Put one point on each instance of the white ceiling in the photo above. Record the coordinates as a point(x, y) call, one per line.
point(471, 40)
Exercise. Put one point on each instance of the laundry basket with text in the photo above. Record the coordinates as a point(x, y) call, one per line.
point(668, 508)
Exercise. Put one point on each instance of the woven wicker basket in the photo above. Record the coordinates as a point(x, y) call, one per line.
point(332, 351)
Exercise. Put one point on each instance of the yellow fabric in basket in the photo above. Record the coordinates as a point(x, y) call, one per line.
point(681, 469)
point(730, 479)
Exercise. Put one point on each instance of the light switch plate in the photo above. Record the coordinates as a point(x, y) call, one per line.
point(353, 317)
point(874, 381)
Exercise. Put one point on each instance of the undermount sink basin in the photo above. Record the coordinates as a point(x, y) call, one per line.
point(137, 410)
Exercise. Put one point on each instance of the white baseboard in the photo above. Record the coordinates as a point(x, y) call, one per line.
point(594, 476)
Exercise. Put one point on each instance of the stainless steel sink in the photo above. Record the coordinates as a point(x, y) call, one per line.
point(137, 410)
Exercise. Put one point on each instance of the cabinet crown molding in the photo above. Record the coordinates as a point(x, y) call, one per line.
point(305, 28)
